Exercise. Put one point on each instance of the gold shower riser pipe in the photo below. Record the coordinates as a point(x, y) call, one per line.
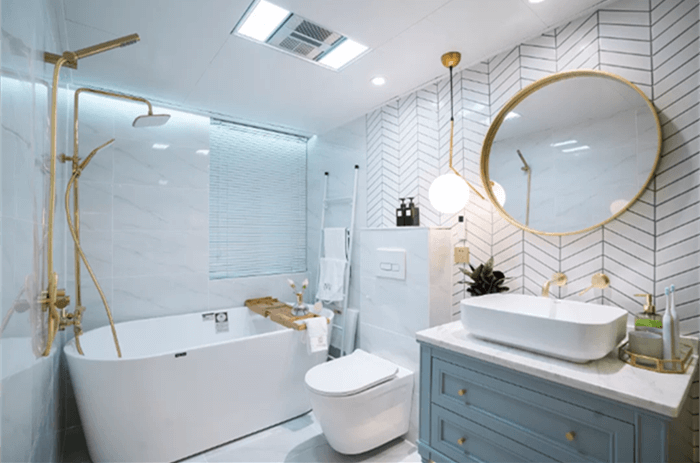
point(76, 164)
point(51, 298)
point(53, 315)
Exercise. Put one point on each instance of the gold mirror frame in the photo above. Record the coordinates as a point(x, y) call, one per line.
point(520, 96)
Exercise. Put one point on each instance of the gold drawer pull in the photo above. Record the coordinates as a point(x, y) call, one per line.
point(461, 392)
point(570, 436)
point(461, 440)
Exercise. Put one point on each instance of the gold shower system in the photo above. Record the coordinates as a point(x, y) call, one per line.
point(53, 298)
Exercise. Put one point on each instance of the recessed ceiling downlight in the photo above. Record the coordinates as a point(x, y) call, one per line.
point(378, 81)
point(263, 21)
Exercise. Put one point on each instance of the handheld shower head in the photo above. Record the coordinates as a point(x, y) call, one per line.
point(92, 154)
point(151, 120)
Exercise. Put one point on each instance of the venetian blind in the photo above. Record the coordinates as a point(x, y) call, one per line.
point(257, 202)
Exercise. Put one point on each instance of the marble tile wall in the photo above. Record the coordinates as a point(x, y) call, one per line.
point(31, 427)
point(655, 243)
point(145, 217)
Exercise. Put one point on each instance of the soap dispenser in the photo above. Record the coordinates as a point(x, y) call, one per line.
point(648, 319)
point(415, 213)
point(401, 213)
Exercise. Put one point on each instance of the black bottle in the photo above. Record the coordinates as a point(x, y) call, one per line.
point(414, 212)
point(401, 213)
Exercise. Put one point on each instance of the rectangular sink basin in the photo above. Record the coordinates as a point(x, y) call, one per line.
point(574, 331)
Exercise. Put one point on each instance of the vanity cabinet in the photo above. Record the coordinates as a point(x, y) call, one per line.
point(472, 410)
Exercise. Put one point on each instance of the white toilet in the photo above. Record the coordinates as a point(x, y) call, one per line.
point(361, 401)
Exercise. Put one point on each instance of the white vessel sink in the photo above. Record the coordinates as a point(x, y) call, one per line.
point(573, 331)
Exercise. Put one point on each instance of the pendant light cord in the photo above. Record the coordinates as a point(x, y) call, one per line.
point(452, 131)
point(452, 101)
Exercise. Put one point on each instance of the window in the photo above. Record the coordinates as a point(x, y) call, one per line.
point(257, 202)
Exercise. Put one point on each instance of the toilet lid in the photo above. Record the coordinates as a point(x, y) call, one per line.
point(350, 375)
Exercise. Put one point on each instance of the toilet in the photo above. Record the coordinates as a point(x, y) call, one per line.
point(361, 401)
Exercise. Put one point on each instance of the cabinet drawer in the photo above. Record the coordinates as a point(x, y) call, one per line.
point(527, 416)
point(464, 440)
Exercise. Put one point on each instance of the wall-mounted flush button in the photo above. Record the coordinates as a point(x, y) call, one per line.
point(391, 263)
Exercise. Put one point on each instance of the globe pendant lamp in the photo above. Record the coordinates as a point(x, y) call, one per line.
point(450, 192)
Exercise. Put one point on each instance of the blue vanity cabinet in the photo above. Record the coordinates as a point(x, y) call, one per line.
point(471, 410)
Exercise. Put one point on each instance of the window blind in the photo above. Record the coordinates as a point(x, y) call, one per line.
point(257, 202)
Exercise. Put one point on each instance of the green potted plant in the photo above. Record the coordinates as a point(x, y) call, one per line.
point(485, 280)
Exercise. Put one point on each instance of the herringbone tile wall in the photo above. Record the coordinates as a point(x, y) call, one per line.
point(652, 43)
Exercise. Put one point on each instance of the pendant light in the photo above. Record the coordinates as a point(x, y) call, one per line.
point(450, 192)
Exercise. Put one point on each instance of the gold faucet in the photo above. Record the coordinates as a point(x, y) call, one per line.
point(558, 279)
point(649, 307)
point(599, 280)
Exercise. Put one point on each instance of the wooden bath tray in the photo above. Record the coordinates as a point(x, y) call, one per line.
point(278, 312)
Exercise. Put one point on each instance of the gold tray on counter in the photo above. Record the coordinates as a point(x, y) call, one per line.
point(674, 366)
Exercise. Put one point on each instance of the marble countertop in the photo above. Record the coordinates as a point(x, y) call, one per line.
point(608, 377)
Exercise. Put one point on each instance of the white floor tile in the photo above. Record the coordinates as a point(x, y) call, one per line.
point(301, 441)
point(296, 441)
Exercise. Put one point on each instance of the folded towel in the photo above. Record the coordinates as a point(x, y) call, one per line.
point(331, 285)
point(335, 243)
point(317, 330)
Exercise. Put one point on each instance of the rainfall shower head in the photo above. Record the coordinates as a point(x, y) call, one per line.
point(151, 120)
point(71, 57)
point(100, 47)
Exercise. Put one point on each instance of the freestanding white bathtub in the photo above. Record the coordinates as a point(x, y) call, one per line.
point(187, 383)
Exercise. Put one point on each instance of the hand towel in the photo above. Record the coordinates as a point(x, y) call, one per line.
point(317, 330)
point(335, 243)
point(331, 285)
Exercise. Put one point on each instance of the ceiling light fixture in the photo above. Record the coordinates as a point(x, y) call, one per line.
point(203, 152)
point(450, 192)
point(342, 54)
point(262, 21)
point(378, 81)
point(536, 1)
point(160, 146)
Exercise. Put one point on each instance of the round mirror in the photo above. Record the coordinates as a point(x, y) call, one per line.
point(570, 152)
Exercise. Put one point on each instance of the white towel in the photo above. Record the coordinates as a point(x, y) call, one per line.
point(317, 330)
point(331, 285)
point(335, 243)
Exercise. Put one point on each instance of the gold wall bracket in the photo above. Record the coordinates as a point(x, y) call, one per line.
point(52, 58)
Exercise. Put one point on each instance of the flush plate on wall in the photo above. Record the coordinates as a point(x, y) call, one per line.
point(391, 263)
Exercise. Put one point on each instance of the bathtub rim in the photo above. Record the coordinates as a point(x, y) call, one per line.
point(69, 348)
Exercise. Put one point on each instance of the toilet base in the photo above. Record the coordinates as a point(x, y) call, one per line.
point(361, 422)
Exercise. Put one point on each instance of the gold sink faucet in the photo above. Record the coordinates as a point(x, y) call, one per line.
point(599, 280)
point(558, 279)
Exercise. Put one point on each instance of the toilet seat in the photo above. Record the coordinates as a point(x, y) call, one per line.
point(350, 375)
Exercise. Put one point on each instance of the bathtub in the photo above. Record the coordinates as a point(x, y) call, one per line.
point(187, 383)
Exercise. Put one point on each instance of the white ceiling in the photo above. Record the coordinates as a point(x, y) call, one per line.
point(188, 58)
